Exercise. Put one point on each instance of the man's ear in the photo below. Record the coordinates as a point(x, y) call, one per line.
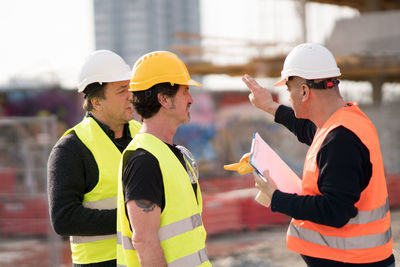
point(305, 92)
point(163, 100)
point(96, 103)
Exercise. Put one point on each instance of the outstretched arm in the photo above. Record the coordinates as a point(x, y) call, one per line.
point(262, 99)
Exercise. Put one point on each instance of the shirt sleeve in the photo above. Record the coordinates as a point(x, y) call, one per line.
point(142, 178)
point(68, 181)
point(345, 171)
point(302, 128)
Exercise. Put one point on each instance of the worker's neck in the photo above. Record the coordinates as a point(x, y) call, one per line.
point(161, 127)
point(116, 127)
point(323, 109)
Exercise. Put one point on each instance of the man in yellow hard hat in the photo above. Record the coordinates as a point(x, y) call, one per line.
point(159, 199)
point(83, 165)
point(342, 216)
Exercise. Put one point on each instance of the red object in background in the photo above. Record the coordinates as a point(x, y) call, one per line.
point(229, 98)
point(236, 210)
point(393, 187)
point(229, 205)
point(26, 216)
point(224, 184)
point(7, 181)
point(221, 214)
point(233, 98)
point(255, 216)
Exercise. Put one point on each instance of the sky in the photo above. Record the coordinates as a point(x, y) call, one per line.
point(48, 39)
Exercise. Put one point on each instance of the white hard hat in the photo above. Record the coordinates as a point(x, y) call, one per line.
point(309, 61)
point(103, 66)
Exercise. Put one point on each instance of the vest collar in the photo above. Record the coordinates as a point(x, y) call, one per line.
point(107, 130)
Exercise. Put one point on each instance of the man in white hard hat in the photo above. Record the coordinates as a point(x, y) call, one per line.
point(159, 198)
point(83, 165)
point(342, 216)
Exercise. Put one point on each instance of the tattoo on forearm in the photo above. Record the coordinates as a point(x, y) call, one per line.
point(146, 205)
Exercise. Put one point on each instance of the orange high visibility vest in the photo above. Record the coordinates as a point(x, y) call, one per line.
point(365, 238)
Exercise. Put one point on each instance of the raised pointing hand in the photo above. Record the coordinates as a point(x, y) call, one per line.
point(260, 97)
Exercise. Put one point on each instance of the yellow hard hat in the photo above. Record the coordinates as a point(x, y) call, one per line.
point(159, 67)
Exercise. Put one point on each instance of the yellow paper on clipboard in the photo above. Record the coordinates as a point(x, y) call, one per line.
point(263, 157)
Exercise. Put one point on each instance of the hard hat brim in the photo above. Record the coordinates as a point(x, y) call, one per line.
point(194, 83)
point(280, 83)
point(123, 77)
point(143, 88)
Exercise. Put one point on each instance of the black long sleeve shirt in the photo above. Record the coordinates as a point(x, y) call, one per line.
point(72, 171)
point(344, 172)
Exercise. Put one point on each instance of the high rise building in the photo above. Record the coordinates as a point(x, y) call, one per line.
point(132, 28)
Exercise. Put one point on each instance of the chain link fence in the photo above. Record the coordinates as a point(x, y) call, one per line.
point(27, 238)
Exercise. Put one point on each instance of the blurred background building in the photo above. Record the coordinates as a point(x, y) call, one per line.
point(133, 28)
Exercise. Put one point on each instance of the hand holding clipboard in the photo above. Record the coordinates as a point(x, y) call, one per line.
point(263, 158)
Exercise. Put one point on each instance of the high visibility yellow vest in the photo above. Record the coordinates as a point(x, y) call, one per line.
point(365, 238)
point(182, 235)
point(92, 249)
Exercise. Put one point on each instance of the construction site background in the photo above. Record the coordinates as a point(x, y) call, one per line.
point(33, 117)
point(221, 130)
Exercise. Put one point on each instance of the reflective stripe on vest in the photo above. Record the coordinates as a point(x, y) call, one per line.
point(194, 259)
point(372, 215)
point(358, 242)
point(107, 203)
point(167, 231)
point(125, 241)
point(76, 239)
point(104, 204)
point(179, 227)
point(367, 237)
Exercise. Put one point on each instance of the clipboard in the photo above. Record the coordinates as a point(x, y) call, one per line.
point(263, 157)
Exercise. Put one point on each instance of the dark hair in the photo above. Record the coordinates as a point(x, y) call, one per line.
point(91, 91)
point(146, 102)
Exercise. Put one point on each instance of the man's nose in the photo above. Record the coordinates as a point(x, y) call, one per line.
point(191, 101)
